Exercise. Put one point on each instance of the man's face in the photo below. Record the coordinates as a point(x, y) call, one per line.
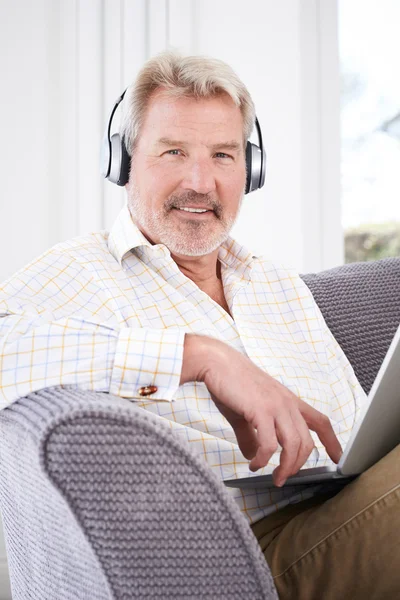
point(189, 157)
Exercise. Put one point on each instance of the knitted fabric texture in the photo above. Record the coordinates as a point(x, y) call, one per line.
point(49, 556)
point(361, 306)
point(136, 514)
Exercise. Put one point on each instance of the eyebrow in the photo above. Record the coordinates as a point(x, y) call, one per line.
point(232, 145)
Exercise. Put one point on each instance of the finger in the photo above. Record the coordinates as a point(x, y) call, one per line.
point(246, 438)
point(321, 424)
point(307, 443)
point(290, 440)
point(267, 444)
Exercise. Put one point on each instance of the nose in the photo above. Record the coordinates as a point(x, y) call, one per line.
point(199, 177)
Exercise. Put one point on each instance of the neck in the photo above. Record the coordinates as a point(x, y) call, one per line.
point(204, 271)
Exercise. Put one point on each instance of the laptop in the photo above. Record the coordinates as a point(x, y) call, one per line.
point(376, 432)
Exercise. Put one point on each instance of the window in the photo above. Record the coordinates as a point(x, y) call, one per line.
point(369, 50)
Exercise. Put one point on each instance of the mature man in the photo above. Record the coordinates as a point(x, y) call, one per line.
point(170, 312)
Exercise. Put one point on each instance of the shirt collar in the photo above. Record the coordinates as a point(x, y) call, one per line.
point(125, 236)
point(237, 257)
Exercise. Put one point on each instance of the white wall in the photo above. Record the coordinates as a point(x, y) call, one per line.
point(24, 153)
point(264, 50)
point(64, 62)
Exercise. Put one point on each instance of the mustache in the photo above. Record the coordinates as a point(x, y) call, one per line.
point(190, 197)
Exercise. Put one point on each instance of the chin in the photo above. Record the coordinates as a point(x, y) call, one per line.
point(190, 249)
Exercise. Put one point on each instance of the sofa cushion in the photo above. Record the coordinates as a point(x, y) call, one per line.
point(361, 306)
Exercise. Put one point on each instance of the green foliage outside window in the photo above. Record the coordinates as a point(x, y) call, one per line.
point(372, 242)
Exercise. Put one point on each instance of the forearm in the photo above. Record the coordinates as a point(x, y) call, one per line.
point(211, 361)
point(203, 358)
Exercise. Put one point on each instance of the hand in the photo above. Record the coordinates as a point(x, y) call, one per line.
point(262, 411)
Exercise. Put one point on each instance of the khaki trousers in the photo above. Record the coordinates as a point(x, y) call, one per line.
point(341, 546)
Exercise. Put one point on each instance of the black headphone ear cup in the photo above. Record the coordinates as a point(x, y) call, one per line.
point(249, 163)
point(120, 161)
point(253, 167)
point(125, 165)
point(263, 167)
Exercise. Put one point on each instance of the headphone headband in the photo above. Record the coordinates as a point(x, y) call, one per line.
point(115, 160)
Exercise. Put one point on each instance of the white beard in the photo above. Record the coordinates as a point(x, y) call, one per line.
point(189, 238)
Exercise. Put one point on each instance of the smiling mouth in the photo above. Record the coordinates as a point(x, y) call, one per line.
point(195, 211)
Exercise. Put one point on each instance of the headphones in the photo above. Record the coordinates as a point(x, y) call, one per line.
point(115, 160)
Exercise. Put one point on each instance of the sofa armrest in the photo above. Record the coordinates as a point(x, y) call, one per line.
point(49, 555)
point(147, 514)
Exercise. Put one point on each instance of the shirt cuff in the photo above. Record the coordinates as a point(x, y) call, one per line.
point(147, 357)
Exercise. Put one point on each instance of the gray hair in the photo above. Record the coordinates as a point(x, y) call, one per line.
point(190, 76)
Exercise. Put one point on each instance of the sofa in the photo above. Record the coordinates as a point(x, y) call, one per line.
point(101, 501)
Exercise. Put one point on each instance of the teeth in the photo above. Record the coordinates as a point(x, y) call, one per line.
point(196, 210)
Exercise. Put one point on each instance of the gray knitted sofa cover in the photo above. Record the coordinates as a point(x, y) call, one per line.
point(100, 501)
point(361, 306)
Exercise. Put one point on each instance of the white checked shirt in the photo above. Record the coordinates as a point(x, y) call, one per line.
point(109, 311)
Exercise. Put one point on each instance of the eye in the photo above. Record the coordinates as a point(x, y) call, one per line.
point(173, 152)
point(223, 155)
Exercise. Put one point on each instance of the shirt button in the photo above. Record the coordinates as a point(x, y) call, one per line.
point(147, 390)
